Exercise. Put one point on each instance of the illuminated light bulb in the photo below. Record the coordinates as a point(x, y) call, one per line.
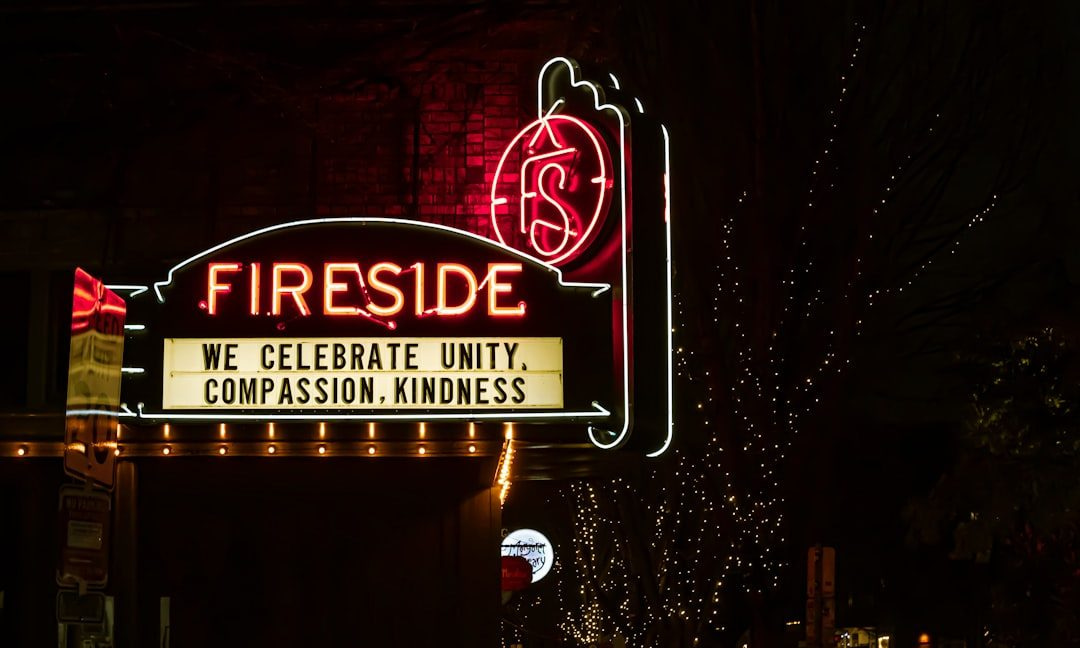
point(472, 430)
point(116, 452)
point(222, 450)
point(271, 449)
point(21, 451)
point(221, 430)
point(422, 450)
point(322, 430)
point(472, 448)
point(423, 430)
point(322, 449)
point(270, 430)
point(502, 474)
point(371, 430)
point(166, 451)
point(371, 450)
point(166, 430)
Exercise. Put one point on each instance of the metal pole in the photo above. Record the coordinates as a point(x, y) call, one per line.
point(125, 555)
point(819, 593)
point(37, 340)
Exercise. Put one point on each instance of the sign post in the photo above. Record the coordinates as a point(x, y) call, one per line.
point(80, 609)
point(820, 596)
point(90, 440)
point(84, 537)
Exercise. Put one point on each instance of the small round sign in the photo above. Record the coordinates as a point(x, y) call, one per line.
point(534, 547)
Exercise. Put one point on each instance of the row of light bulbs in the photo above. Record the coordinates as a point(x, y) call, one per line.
point(322, 449)
point(271, 432)
point(272, 448)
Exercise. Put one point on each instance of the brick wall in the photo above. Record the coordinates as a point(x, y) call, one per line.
point(163, 138)
point(426, 150)
point(155, 169)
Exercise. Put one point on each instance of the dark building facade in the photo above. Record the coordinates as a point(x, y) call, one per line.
point(137, 134)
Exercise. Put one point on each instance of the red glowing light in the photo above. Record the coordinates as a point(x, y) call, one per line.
point(330, 287)
point(495, 288)
point(445, 269)
point(254, 288)
point(551, 191)
point(296, 292)
point(418, 270)
point(383, 287)
point(214, 287)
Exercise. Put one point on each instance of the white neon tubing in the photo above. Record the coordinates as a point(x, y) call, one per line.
point(91, 412)
point(599, 105)
point(598, 412)
point(133, 289)
point(598, 287)
point(670, 296)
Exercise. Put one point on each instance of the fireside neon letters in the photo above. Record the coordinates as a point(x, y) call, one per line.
point(495, 288)
point(214, 287)
point(254, 289)
point(470, 280)
point(380, 292)
point(330, 287)
point(383, 287)
point(296, 292)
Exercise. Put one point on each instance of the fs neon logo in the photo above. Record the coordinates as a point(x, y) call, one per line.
point(552, 189)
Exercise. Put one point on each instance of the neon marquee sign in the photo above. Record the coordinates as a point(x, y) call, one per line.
point(278, 325)
point(554, 277)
